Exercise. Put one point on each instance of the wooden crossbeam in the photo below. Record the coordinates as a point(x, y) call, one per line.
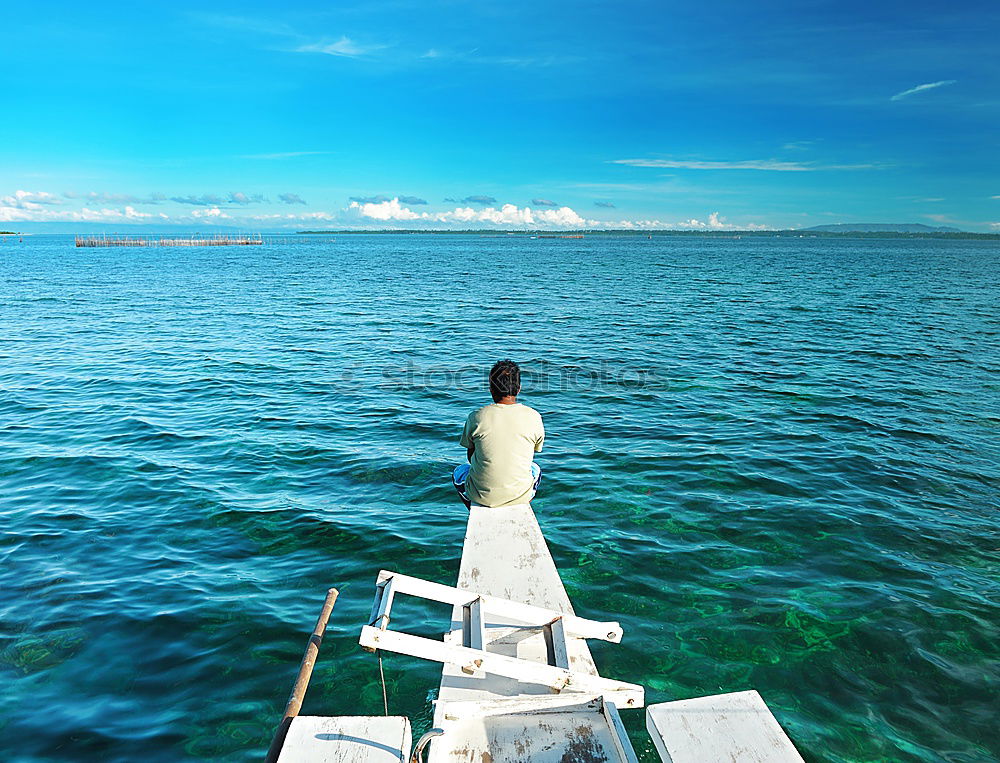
point(514, 610)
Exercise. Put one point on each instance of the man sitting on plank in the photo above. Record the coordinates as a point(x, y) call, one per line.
point(501, 439)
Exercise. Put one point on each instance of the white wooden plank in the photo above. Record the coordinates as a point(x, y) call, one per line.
point(347, 739)
point(499, 607)
point(518, 569)
point(733, 727)
point(548, 703)
point(478, 661)
point(552, 737)
point(622, 742)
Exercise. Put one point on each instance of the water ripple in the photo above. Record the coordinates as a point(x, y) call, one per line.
point(773, 460)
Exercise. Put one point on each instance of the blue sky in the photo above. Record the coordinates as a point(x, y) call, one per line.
point(456, 114)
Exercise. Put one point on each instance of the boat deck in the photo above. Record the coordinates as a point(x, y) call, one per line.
point(505, 555)
point(561, 711)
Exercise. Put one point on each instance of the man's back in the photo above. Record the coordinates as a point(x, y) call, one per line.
point(504, 438)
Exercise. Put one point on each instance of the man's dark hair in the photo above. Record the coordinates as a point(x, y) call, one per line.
point(505, 379)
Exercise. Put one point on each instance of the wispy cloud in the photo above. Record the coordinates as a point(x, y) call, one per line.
point(284, 155)
point(30, 199)
point(102, 197)
point(544, 203)
point(205, 200)
point(345, 47)
point(290, 198)
point(212, 214)
point(770, 165)
point(605, 204)
point(476, 56)
point(297, 42)
point(800, 145)
point(921, 88)
point(237, 197)
point(34, 212)
point(380, 199)
point(478, 199)
point(212, 200)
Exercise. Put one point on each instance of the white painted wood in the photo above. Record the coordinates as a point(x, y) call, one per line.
point(736, 727)
point(579, 733)
point(541, 704)
point(490, 717)
point(520, 568)
point(622, 742)
point(473, 661)
point(347, 739)
point(498, 607)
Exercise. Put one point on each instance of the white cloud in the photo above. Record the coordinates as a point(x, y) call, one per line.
point(103, 197)
point(771, 165)
point(715, 222)
point(345, 47)
point(384, 210)
point(800, 145)
point(921, 88)
point(33, 212)
point(512, 216)
point(30, 199)
point(508, 214)
point(291, 218)
point(563, 217)
point(995, 226)
point(386, 213)
point(462, 214)
point(212, 213)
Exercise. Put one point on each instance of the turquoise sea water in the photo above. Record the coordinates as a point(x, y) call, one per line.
point(775, 461)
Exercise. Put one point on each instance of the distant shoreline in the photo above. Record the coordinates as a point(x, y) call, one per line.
point(962, 235)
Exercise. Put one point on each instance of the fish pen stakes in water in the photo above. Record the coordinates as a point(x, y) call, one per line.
point(238, 240)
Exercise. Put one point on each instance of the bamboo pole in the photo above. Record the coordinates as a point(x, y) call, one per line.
point(302, 682)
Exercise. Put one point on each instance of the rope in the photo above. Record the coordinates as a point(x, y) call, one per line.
point(385, 700)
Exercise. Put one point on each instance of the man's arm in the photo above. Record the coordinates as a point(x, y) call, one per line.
point(466, 439)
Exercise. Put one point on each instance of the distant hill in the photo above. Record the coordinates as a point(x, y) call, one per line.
point(881, 228)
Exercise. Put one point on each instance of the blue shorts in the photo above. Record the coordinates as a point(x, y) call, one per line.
point(461, 472)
